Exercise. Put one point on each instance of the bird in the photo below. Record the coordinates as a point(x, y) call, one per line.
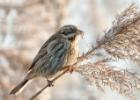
point(58, 52)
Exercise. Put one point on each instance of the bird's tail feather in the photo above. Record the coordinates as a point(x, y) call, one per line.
point(19, 86)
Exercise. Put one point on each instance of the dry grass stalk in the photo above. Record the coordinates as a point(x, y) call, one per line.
point(102, 75)
point(125, 26)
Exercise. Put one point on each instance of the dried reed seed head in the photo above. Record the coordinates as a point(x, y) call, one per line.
point(124, 37)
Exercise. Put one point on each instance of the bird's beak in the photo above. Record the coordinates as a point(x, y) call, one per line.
point(81, 33)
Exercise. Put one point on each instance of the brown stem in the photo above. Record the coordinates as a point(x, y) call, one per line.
point(47, 85)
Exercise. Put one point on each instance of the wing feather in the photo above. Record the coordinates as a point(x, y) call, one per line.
point(55, 51)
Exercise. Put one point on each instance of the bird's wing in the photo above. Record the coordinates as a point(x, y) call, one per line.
point(53, 51)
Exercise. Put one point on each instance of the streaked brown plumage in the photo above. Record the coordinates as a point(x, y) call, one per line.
point(59, 51)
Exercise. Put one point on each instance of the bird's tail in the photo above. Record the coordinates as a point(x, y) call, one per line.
point(19, 86)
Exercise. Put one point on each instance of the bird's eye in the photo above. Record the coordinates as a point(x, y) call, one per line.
point(68, 30)
point(72, 29)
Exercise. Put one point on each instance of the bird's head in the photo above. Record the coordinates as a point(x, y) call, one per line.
point(70, 31)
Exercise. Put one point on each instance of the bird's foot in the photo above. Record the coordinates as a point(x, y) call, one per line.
point(50, 83)
point(71, 69)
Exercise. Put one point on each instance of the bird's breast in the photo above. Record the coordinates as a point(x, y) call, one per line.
point(72, 55)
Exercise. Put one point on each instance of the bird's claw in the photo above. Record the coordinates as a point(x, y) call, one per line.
point(50, 83)
point(71, 69)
